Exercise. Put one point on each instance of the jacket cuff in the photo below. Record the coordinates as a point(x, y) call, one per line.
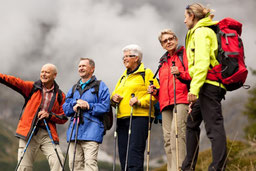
point(50, 116)
point(73, 102)
point(90, 106)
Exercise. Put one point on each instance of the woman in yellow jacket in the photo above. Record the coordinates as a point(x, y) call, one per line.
point(135, 80)
point(204, 95)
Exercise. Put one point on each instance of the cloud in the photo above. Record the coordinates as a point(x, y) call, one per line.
point(60, 32)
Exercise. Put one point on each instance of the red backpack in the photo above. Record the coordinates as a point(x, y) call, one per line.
point(231, 70)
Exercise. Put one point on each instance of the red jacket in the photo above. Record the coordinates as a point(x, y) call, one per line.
point(166, 91)
point(28, 117)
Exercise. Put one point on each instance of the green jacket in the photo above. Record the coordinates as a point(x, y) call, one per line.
point(134, 83)
point(202, 49)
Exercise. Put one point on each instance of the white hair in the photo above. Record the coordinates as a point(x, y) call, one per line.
point(52, 66)
point(134, 49)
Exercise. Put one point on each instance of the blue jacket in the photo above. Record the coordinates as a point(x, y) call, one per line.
point(92, 129)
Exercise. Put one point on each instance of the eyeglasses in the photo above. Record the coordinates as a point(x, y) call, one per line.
point(129, 56)
point(169, 39)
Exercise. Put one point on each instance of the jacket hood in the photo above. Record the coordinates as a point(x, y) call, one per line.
point(207, 21)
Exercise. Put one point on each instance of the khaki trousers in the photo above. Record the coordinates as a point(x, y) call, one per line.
point(86, 156)
point(40, 141)
point(168, 125)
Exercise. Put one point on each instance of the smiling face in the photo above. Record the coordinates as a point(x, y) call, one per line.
point(47, 75)
point(169, 42)
point(189, 20)
point(85, 70)
point(130, 60)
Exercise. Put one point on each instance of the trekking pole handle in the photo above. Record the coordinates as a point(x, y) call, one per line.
point(151, 82)
point(173, 63)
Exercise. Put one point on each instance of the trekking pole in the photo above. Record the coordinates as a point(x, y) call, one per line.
point(149, 126)
point(197, 146)
point(115, 137)
point(72, 129)
point(129, 136)
point(54, 145)
point(175, 118)
point(223, 167)
point(77, 124)
point(29, 139)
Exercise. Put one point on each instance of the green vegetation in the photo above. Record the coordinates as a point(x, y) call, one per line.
point(241, 157)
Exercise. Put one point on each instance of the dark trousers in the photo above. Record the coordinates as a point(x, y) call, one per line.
point(139, 134)
point(208, 109)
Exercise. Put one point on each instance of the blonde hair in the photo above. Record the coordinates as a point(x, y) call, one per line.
point(199, 11)
point(166, 31)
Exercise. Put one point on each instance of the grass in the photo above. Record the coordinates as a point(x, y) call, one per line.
point(241, 157)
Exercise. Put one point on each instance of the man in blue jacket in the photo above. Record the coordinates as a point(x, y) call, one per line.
point(93, 98)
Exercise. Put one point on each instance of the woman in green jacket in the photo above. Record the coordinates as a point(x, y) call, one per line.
point(204, 95)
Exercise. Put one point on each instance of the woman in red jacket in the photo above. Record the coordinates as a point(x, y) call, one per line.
point(174, 55)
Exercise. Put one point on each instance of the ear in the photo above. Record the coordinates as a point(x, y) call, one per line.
point(137, 59)
point(192, 17)
point(55, 75)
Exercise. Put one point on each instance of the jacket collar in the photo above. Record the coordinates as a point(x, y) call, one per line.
point(166, 54)
point(38, 85)
point(140, 69)
point(93, 78)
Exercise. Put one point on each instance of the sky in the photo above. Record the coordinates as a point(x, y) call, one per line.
point(35, 32)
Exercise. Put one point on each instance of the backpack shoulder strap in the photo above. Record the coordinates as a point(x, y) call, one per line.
point(73, 90)
point(97, 87)
point(143, 74)
point(180, 55)
point(121, 78)
point(59, 98)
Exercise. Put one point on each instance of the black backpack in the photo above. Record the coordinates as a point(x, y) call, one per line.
point(106, 118)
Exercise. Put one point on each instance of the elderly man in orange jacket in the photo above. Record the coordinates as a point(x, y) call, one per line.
point(44, 100)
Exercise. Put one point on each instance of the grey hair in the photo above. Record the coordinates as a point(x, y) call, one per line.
point(91, 61)
point(134, 49)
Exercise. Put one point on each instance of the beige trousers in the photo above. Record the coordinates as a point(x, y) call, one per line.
point(40, 141)
point(86, 156)
point(168, 125)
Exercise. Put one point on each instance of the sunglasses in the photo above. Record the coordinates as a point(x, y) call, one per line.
point(169, 39)
point(129, 56)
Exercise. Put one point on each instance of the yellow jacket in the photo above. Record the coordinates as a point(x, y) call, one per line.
point(201, 48)
point(134, 83)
